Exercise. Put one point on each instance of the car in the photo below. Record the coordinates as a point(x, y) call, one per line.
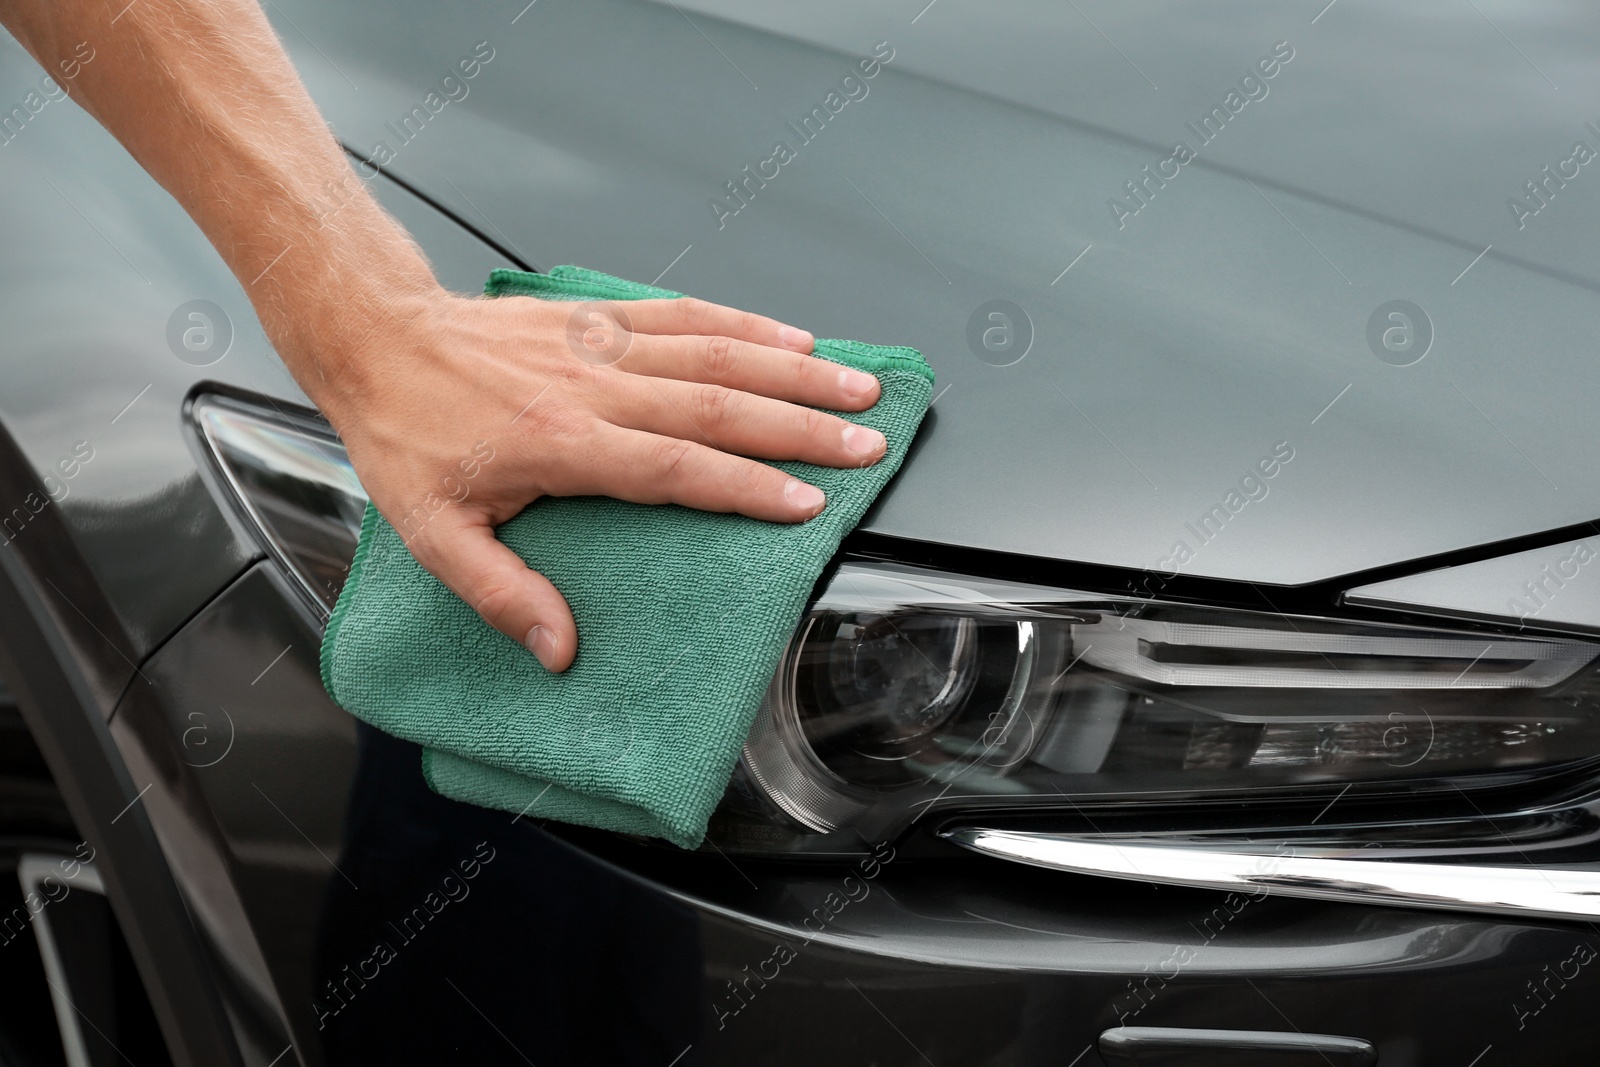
point(1217, 682)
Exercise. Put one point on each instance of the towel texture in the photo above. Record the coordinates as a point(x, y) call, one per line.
point(682, 616)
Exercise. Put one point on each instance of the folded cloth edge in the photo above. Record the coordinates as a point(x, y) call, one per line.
point(567, 283)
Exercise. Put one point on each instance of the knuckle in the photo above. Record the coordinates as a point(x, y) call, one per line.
point(570, 373)
point(563, 421)
point(713, 404)
point(809, 372)
point(696, 313)
point(763, 483)
point(671, 458)
point(746, 323)
point(493, 599)
point(763, 476)
point(719, 356)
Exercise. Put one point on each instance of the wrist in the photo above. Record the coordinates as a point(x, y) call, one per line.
point(343, 336)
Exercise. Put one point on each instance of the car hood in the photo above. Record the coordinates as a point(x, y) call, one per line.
point(1196, 364)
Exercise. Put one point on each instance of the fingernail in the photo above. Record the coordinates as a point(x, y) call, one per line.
point(541, 641)
point(856, 384)
point(807, 497)
point(862, 440)
point(790, 337)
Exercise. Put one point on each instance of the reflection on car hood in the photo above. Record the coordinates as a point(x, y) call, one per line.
point(1203, 360)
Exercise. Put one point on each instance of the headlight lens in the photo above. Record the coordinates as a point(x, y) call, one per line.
point(292, 477)
point(903, 688)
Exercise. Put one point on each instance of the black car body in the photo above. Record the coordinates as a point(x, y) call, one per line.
point(1240, 313)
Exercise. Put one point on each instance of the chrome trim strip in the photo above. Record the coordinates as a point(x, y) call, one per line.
point(1523, 892)
point(1128, 646)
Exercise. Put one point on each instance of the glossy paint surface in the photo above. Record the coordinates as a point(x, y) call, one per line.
point(1230, 314)
point(1545, 587)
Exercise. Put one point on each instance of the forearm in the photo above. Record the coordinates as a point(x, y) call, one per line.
point(675, 401)
point(202, 95)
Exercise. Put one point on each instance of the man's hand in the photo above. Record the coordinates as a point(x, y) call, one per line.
point(467, 410)
point(483, 405)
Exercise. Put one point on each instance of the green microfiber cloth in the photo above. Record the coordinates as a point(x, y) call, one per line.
point(682, 616)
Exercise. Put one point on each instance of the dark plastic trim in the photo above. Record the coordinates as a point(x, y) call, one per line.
point(1324, 596)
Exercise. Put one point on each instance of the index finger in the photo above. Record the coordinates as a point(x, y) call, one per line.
point(687, 315)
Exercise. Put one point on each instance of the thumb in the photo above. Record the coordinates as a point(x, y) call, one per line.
point(494, 582)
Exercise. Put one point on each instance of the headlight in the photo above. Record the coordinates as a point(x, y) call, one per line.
point(292, 478)
point(905, 690)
